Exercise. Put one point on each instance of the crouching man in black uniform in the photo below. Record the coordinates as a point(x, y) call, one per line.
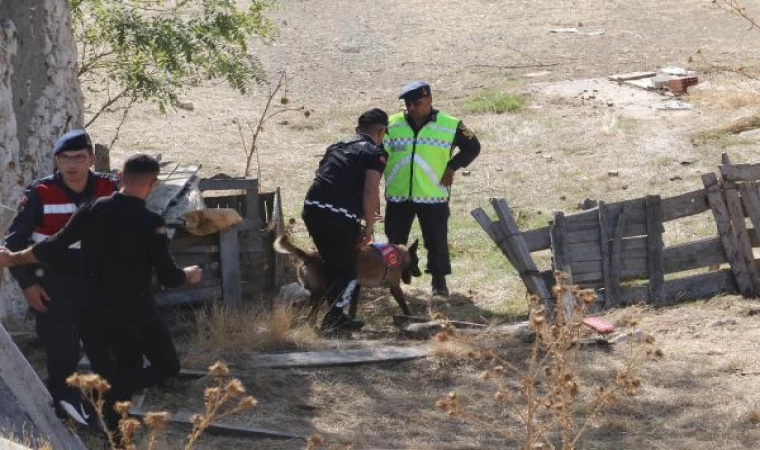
point(345, 193)
point(122, 242)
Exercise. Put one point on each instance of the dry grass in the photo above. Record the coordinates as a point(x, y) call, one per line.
point(227, 333)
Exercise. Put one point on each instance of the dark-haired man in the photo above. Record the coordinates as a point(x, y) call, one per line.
point(57, 291)
point(340, 208)
point(122, 242)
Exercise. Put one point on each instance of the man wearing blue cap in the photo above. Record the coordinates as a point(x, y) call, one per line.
point(57, 292)
point(419, 173)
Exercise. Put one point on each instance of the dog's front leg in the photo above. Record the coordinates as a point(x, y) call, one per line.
point(398, 294)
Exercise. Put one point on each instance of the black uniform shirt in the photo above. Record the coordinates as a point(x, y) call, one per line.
point(339, 180)
point(122, 242)
point(465, 139)
point(30, 212)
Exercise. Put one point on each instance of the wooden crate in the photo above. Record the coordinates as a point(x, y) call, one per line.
point(236, 262)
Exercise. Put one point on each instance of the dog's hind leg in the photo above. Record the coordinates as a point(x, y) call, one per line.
point(398, 294)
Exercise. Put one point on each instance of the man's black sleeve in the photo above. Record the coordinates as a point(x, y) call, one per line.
point(58, 244)
point(469, 148)
point(376, 159)
point(167, 271)
point(20, 234)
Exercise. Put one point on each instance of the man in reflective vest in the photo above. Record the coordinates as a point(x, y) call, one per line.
point(57, 293)
point(419, 174)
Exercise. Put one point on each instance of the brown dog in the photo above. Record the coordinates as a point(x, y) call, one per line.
point(376, 265)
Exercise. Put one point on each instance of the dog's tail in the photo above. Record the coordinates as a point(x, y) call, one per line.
point(283, 245)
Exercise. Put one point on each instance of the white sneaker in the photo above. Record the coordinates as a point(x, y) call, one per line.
point(75, 411)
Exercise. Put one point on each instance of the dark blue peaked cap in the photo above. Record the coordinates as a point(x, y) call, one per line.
point(72, 141)
point(415, 91)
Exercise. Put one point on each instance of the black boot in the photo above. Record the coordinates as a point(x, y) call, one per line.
point(439, 285)
point(336, 319)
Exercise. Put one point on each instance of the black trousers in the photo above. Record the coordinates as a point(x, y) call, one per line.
point(434, 223)
point(61, 328)
point(335, 237)
point(124, 341)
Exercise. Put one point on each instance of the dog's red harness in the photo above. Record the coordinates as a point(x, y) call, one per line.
point(391, 255)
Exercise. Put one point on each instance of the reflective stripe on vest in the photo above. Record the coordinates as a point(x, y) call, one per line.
point(417, 163)
point(57, 207)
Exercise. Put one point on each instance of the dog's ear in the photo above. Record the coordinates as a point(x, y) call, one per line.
point(413, 247)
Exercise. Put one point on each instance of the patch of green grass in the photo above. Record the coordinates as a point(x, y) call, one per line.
point(494, 101)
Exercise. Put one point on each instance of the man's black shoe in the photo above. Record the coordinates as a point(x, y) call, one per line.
point(336, 319)
point(439, 285)
point(82, 412)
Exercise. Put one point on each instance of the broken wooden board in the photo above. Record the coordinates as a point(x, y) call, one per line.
point(631, 76)
point(223, 429)
point(326, 358)
point(172, 180)
point(401, 319)
point(25, 404)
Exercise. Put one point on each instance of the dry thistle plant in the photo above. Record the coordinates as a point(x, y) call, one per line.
point(224, 398)
point(547, 396)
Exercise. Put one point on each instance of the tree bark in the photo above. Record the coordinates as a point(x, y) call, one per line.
point(40, 100)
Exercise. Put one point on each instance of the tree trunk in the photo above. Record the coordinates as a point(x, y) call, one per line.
point(40, 100)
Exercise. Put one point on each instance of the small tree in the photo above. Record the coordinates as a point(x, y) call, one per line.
point(152, 50)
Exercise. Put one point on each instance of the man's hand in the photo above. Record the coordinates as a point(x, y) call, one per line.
point(193, 274)
point(448, 178)
point(36, 297)
point(366, 236)
point(5, 257)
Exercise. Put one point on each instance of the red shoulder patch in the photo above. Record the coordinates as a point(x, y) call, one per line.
point(383, 159)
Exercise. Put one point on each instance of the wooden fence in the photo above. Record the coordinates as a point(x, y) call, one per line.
point(618, 249)
point(236, 262)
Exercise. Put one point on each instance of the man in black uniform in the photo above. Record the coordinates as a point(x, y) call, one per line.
point(345, 193)
point(121, 243)
point(57, 292)
point(419, 175)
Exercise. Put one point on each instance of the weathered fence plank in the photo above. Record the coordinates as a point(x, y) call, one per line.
point(616, 255)
point(739, 225)
point(604, 247)
point(635, 247)
point(725, 231)
point(537, 239)
point(740, 172)
point(229, 258)
point(693, 255)
point(655, 260)
point(526, 265)
point(692, 287)
point(557, 234)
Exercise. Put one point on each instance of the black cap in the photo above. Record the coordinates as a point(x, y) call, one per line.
point(72, 141)
point(415, 91)
point(372, 117)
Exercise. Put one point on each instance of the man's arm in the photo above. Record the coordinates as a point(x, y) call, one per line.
point(57, 245)
point(371, 203)
point(469, 149)
point(20, 234)
point(167, 271)
point(12, 259)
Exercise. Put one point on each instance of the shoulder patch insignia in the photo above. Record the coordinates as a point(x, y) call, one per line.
point(466, 132)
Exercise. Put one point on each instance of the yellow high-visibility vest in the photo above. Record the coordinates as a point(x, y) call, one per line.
point(417, 163)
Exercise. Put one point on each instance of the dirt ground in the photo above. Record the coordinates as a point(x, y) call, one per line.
point(346, 56)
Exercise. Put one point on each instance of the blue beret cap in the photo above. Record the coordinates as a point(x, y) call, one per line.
point(415, 91)
point(72, 141)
